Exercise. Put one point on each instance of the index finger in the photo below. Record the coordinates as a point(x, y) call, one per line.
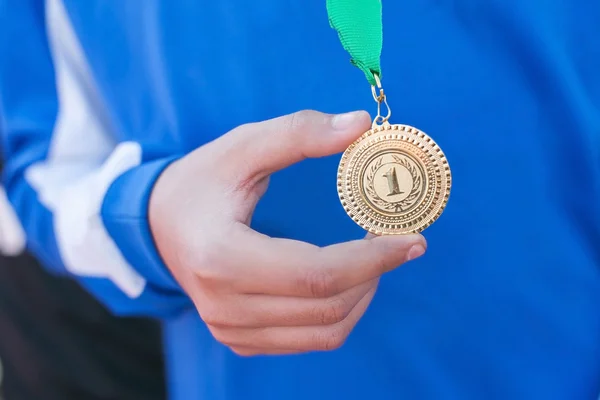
point(287, 267)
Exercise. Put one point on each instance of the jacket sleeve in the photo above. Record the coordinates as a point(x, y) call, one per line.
point(80, 194)
point(12, 237)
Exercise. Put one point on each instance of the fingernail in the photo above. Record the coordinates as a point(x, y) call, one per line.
point(344, 121)
point(415, 252)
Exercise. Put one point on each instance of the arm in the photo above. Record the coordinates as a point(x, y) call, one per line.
point(81, 196)
point(84, 202)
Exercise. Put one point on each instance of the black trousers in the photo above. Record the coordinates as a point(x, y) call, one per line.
point(58, 343)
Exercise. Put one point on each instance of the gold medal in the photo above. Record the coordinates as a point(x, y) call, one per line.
point(394, 179)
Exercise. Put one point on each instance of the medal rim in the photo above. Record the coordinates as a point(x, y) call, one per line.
point(401, 132)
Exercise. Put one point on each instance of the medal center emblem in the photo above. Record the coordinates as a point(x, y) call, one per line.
point(392, 182)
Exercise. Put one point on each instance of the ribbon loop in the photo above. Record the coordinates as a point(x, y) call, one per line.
point(360, 29)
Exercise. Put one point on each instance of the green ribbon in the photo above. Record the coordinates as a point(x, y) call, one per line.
point(360, 29)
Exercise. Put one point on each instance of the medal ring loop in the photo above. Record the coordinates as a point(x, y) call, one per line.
point(380, 98)
point(377, 97)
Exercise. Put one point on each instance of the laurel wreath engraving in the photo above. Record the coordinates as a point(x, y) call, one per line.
point(399, 205)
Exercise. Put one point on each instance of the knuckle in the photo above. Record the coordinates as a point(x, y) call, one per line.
point(379, 256)
point(298, 120)
point(381, 263)
point(320, 282)
point(301, 121)
point(335, 310)
point(208, 264)
point(332, 339)
point(222, 336)
point(212, 316)
point(248, 126)
point(244, 352)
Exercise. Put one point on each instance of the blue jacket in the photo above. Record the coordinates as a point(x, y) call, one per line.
point(98, 96)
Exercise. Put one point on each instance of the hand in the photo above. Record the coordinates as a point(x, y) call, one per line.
point(257, 294)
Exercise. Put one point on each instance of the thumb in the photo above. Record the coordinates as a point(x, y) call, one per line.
point(277, 143)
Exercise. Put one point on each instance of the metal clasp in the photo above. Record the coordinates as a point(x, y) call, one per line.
point(380, 98)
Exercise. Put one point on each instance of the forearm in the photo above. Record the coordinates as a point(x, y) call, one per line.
point(63, 165)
